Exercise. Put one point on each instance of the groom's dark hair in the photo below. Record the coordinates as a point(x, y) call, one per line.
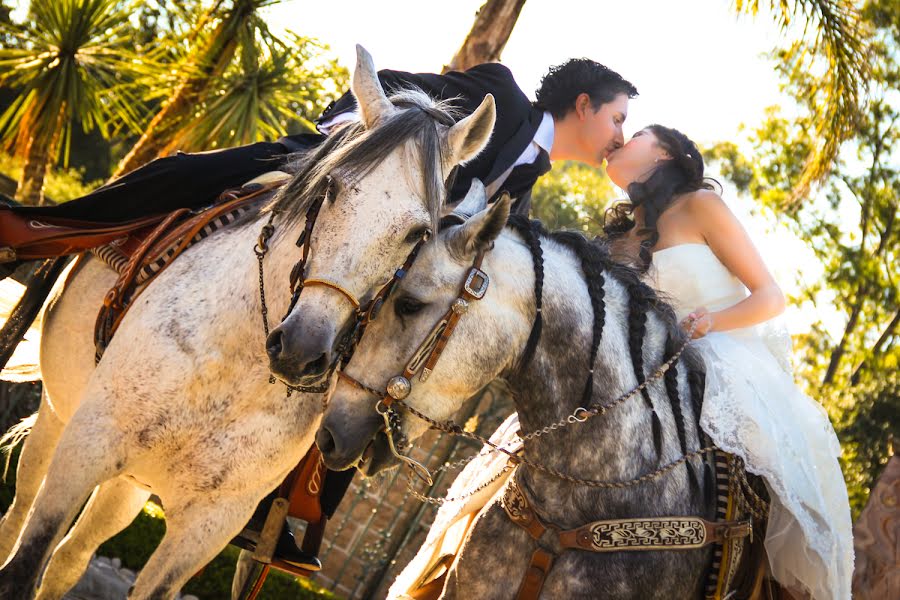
point(564, 83)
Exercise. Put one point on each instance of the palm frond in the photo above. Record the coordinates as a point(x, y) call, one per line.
point(833, 47)
point(73, 62)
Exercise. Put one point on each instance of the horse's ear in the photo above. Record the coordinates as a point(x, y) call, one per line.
point(469, 136)
point(370, 96)
point(480, 231)
point(474, 202)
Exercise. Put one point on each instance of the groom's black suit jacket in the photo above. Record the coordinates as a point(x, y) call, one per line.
point(517, 120)
point(195, 180)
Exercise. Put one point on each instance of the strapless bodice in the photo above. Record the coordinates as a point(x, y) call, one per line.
point(691, 275)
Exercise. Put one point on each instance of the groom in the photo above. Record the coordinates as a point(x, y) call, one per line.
point(578, 115)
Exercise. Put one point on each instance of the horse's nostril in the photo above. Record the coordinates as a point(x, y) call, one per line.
point(274, 344)
point(325, 441)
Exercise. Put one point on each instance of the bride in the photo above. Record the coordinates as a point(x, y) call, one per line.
point(696, 252)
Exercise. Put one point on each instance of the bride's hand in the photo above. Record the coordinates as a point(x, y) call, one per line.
point(703, 319)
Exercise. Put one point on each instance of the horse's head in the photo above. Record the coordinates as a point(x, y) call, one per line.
point(483, 344)
point(379, 186)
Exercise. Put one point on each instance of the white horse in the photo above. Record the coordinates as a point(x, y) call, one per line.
point(180, 405)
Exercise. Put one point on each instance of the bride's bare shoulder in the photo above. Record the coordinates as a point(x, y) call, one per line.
point(701, 198)
point(707, 206)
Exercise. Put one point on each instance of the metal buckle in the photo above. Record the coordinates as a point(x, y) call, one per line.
point(480, 278)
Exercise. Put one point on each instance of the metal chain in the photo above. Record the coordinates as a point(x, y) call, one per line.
point(261, 248)
point(440, 501)
point(578, 416)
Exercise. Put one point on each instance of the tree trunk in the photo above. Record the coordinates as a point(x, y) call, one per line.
point(838, 352)
point(162, 128)
point(38, 151)
point(493, 25)
point(876, 349)
point(30, 190)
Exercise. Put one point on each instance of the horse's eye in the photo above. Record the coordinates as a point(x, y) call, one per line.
point(407, 306)
point(417, 234)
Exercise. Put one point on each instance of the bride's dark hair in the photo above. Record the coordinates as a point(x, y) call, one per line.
point(681, 174)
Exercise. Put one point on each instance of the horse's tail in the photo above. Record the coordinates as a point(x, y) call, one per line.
point(11, 439)
point(23, 315)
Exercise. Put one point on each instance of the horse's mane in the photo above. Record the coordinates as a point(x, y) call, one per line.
point(597, 264)
point(352, 151)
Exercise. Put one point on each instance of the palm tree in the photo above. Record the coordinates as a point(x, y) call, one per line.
point(272, 87)
point(72, 62)
point(220, 33)
point(832, 45)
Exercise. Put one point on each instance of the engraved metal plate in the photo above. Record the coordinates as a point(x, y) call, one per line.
point(477, 283)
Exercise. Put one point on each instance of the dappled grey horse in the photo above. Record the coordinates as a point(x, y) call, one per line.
point(571, 331)
point(180, 404)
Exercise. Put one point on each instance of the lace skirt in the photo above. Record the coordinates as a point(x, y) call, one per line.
point(753, 408)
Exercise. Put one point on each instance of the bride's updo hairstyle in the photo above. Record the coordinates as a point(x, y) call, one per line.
point(681, 174)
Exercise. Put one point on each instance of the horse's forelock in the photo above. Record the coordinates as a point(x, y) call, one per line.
point(353, 151)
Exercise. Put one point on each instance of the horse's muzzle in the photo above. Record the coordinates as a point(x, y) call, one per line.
point(299, 360)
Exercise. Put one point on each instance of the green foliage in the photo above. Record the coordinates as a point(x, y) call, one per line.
point(572, 196)
point(272, 88)
point(832, 57)
point(851, 227)
point(60, 185)
point(72, 62)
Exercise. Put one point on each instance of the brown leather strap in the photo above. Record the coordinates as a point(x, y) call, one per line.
point(457, 310)
point(538, 569)
point(613, 535)
point(337, 287)
point(303, 486)
point(166, 233)
point(657, 533)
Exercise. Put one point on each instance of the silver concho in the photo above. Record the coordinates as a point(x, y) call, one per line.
point(460, 306)
point(399, 387)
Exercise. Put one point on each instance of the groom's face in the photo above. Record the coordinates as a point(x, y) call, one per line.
point(602, 132)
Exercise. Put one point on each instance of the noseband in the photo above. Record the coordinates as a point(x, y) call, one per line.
point(363, 315)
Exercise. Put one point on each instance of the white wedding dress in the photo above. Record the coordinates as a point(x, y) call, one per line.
point(752, 408)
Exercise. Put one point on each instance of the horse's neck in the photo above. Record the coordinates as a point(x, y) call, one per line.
point(615, 446)
point(224, 271)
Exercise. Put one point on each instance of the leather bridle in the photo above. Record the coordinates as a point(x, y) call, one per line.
point(363, 314)
point(423, 362)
